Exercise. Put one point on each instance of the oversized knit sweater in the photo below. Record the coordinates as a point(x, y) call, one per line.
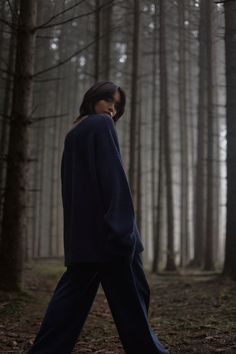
point(98, 213)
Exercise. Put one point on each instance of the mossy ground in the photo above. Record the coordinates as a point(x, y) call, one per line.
point(191, 313)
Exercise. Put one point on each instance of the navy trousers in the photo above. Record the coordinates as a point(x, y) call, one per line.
point(127, 292)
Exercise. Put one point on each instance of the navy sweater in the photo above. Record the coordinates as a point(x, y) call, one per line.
point(99, 217)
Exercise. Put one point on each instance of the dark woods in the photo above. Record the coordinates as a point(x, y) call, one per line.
point(176, 62)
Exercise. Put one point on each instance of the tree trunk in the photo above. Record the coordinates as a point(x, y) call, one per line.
point(164, 117)
point(97, 47)
point(200, 188)
point(56, 151)
point(102, 49)
point(106, 22)
point(134, 103)
point(2, 12)
point(14, 210)
point(183, 138)
point(216, 137)
point(208, 254)
point(230, 56)
point(6, 112)
point(155, 196)
point(139, 162)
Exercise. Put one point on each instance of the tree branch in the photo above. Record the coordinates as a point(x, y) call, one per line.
point(62, 62)
point(44, 26)
point(7, 72)
point(59, 14)
point(222, 1)
point(7, 23)
point(49, 79)
point(14, 13)
point(38, 119)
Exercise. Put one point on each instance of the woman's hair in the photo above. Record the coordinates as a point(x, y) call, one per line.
point(101, 90)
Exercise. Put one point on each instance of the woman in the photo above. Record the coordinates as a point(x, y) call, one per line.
point(101, 240)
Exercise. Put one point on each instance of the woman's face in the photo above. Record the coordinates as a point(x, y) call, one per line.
point(109, 105)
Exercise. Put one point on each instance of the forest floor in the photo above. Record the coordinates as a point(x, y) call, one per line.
point(189, 313)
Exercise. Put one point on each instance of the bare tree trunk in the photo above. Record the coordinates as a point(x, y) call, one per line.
point(40, 225)
point(6, 112)
point(103, 22)
point(164, 117)
point(39, 141)
point(134, 100)
point(230, 52)
point(125, 123)
point(2, 12)
point(56, 151)
point(159, 196)
point(200, 188)
point(41, 233)
point(190, 91)
point(183, 137)
point(97, 47)
point(216, 140)
point(14, 210)
point(139, 174)
point(155, 197)
point(208, 254)
point(106, 22)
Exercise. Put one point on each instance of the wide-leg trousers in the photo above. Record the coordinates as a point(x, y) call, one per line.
point(128, 295)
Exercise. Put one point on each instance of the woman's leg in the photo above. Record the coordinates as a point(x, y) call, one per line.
point(67, 310)
point(127, 293)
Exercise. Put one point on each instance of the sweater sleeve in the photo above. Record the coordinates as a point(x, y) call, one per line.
point(119, 213)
